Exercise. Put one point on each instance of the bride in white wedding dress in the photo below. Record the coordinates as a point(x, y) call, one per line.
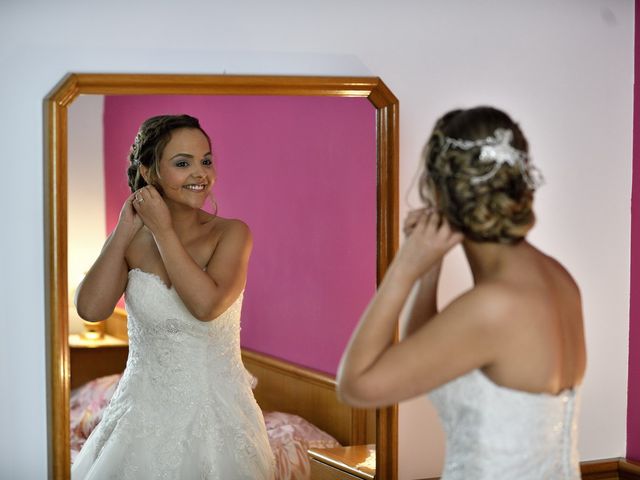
point(184, 408)
point(504, 361)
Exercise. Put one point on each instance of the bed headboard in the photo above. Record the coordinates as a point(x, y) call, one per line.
point(289, 388)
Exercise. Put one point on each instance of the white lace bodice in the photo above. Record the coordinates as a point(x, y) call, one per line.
point(170, 346)
point(495, 432)
point(184, 408)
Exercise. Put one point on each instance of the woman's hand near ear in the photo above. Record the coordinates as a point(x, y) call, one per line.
point(129, 222)
point(412, 218)
point(429, 238)
point(152, 209)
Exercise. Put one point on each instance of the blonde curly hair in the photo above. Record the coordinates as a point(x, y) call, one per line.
point(496, 210)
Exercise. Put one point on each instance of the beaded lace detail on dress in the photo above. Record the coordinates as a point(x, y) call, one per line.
point(495, 432)
point(184, 408)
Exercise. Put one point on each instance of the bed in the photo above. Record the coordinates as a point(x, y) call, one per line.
point(299, 404)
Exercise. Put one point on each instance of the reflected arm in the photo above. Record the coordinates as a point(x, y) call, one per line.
point(207, 294)
point(104, 283)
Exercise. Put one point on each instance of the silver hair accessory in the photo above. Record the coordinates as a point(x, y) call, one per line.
point(135, 149)
point(497, 149)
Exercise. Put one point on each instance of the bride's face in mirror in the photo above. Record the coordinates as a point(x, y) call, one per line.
point(184, 174)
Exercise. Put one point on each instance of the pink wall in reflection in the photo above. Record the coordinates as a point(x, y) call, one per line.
point(301, 172)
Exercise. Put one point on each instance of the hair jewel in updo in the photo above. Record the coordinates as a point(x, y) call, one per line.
point(135, 149)
point(497, 149)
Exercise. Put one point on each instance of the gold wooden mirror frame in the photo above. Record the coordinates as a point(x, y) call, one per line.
point(55, 131)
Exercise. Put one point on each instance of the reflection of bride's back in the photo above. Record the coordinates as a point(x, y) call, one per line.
point(184, 407)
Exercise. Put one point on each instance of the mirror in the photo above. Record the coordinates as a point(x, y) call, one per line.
point(280, 188)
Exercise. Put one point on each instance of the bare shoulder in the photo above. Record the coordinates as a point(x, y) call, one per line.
point(218, 227)
point(483, 320)
point(231, 235)
point(489, 303)
point(563, 274)
point(233, 228)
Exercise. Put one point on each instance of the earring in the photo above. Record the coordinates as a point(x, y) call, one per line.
point(214, 204)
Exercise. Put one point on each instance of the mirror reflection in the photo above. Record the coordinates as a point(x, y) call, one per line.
point(300, 172)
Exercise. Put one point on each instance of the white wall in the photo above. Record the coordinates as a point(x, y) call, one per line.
point(86, 223)
point(563, 68)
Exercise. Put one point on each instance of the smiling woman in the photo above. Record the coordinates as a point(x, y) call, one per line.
point(184, 406)
point(317, 186)
point(182, 134)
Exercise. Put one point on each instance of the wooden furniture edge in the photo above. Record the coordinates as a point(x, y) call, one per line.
point(610, 468)
point(290, 369)
point(629, 466)
point(322, 410)
point(318, 455)
point(56, 308)
point(603, 469)
point(219, 84)
point(387, 125)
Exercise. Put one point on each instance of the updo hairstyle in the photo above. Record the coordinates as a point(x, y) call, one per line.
point(498, 209)
point(152, 138)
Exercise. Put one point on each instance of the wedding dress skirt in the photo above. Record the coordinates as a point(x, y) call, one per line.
point(184, 408)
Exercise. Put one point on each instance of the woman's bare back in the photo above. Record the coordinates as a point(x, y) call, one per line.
point(545, 350)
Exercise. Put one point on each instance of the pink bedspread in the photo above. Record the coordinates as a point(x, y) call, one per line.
point(289, 435)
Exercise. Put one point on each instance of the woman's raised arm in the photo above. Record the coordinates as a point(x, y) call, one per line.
point(104, 283)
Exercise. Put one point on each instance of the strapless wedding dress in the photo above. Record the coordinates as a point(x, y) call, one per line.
point(495, 432)
point(184, 408)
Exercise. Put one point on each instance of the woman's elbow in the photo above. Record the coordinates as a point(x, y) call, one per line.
point(88, 308)
point(211, 310)
point(207, 313)
point(204, 318)
point(90, 314)
point(356, 393)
